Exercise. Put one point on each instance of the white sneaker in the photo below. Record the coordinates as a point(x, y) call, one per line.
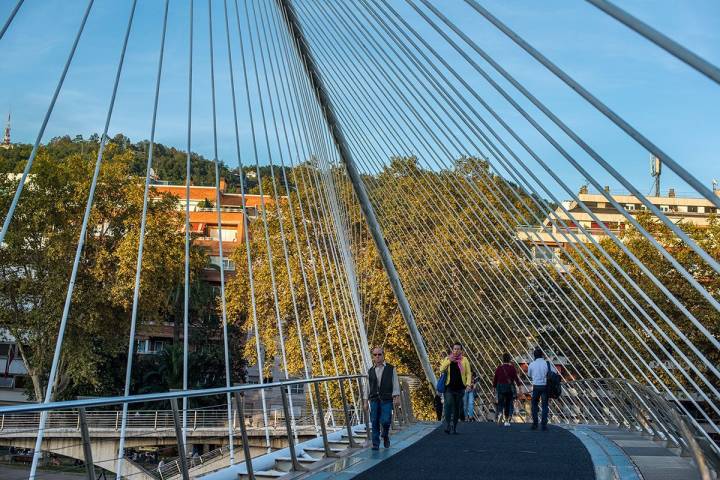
point(507, 424)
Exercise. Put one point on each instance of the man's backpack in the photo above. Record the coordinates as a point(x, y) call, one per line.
point(554, 383)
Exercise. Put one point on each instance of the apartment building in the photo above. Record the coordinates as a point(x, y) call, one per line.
point(547, 241)
point(204, 219)
point(209, 234)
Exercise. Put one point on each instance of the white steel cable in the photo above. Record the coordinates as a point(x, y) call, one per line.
point(41, 132)
point(545, 207)
point(662, 41)
point(186, 273)
point(562, 151)
point(81, 240)
point(259, 353)
point(7, 23)
point(594, 101)
point(218, 207)
point(291, 208)
point(141, 246)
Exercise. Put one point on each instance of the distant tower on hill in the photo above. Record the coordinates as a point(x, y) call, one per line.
point(6, 138)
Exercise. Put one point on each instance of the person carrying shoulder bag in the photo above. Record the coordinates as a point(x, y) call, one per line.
point(458, 380)
point(504, 381)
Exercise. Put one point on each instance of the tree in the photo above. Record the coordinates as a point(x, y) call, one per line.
point(37, 257)
point(637, 333)
point(407, 210)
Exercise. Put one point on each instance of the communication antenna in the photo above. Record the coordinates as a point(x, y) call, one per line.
point(6, 143)
point(655, 171)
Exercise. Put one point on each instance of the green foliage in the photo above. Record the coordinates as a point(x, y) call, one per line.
point(168, 162)
point(416, 258)
point(36, 262)
point(640, 334)
point(205, 204)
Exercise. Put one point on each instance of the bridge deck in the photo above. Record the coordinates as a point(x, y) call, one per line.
point(480, 451)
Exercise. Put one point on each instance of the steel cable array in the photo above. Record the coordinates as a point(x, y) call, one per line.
point(436, 128)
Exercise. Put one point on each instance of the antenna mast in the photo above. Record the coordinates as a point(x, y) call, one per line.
point(6, 137)
point(655, 171)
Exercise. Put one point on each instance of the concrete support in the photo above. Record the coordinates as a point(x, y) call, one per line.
point(182, 455)
point(87, 449)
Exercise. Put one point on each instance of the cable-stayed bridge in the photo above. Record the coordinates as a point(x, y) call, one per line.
point(419, 193)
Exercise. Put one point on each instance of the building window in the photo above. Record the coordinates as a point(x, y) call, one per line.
point(228, 234)
point(710, 210)
point(664, 208)
point(542, 252)
point(297, 389)
point(692, 209)
point(150, 346)
point(630, 207)
point(158, 345)
point(227, 264)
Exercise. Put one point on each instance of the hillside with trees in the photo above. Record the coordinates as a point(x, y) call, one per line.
point(37, 258)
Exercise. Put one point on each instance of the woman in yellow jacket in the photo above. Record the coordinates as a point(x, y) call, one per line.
point(459, 379)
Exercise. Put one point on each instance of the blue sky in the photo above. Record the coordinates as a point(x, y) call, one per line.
point(676, 107)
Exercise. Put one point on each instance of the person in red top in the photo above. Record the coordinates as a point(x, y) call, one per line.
point(505, 377)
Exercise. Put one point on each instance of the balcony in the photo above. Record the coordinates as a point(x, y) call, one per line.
point(535, 234)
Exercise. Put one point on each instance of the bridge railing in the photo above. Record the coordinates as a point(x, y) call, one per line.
point(60, 415)
point(145, 420)
point(656, 416)
point(404, 415)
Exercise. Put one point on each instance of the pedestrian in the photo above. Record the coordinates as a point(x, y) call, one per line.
point(458, 380)
point(469, 401)
point(384, 392)
point(538, 372)
point(438, 407)
point(505, 379)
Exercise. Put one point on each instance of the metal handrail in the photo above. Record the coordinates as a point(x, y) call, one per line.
point(635, 398)
point(156, 397)
point(559, 230)
point(156, 420)
point(239, 391)
point(172, 468)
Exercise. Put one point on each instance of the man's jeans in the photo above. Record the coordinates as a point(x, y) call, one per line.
point(469, 404)
point(380, 414)
point(539, 391)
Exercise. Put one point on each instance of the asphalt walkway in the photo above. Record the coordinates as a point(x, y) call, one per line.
point(489, 451)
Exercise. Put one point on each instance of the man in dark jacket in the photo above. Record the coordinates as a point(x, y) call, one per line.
point(384, 391)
